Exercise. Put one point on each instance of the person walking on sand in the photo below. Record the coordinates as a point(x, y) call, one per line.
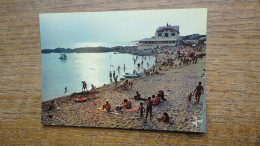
point(148, 109)
point(116, 80)
point(198, 91)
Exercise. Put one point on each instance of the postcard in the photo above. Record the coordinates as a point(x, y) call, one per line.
point(142, 70)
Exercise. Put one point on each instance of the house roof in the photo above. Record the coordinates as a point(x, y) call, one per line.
point(168, 27)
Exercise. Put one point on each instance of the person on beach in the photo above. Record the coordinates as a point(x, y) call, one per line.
point(126, 84)
point(203, 73)
point(189, 97)
point(114, 74)
point(131, 84)
point(198, 91)
point(148, 109)
point(164, 118)
point(137, 97)
point(154, 100)
point(141, 109)
point(93, 88)
point(121, 86)
point(65, 90)
point(118, 68)
point(162, 95)
point(106, 106)
point(116, 80)
point(52, 106)
point(84, 84)
point(127, 104)
point(124, 66)
point(134, 61)
point(110, 75)
point(138, 65)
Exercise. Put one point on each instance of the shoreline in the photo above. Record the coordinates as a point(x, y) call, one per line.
point(185, 112)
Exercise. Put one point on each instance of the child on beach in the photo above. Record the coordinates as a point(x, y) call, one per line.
point(154, 100)
point(148, 108)
point(106, 106)
point(164, 118)
point(93, 88)
point(203, 73)
point(189, 97)
point(52, 106)
point(141, 109)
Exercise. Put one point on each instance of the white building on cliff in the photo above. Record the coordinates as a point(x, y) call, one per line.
point(164, 36)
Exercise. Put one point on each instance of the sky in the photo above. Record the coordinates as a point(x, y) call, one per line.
point(111, 28)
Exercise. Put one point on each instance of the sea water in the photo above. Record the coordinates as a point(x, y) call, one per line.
point(93, 68)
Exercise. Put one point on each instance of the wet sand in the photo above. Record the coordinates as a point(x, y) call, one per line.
point(180, 81)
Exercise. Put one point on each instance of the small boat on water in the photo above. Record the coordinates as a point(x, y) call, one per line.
point(127, 75)
point(63, 56)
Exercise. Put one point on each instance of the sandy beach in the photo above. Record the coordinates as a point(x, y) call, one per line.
point(176, 83)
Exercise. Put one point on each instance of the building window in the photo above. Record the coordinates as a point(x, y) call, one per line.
point(173, 34)
point(159, 34)
point(166, 34)
point(174, 42)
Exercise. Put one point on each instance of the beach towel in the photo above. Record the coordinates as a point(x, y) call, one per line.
point(110, 112)
point(80, 99)
point(130, 110)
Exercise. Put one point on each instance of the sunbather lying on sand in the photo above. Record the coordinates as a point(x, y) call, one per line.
point(137, 97)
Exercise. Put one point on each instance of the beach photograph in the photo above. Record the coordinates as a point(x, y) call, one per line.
point(141, 69)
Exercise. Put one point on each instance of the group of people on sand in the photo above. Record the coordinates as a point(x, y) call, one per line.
point(197, 92)
point(127, 104)
point(84, 86)
point(126, 84)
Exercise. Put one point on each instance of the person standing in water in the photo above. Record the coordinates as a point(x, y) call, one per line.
point(114, 74)
point(65, 90)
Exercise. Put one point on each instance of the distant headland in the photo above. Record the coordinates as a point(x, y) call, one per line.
point(122, 49)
